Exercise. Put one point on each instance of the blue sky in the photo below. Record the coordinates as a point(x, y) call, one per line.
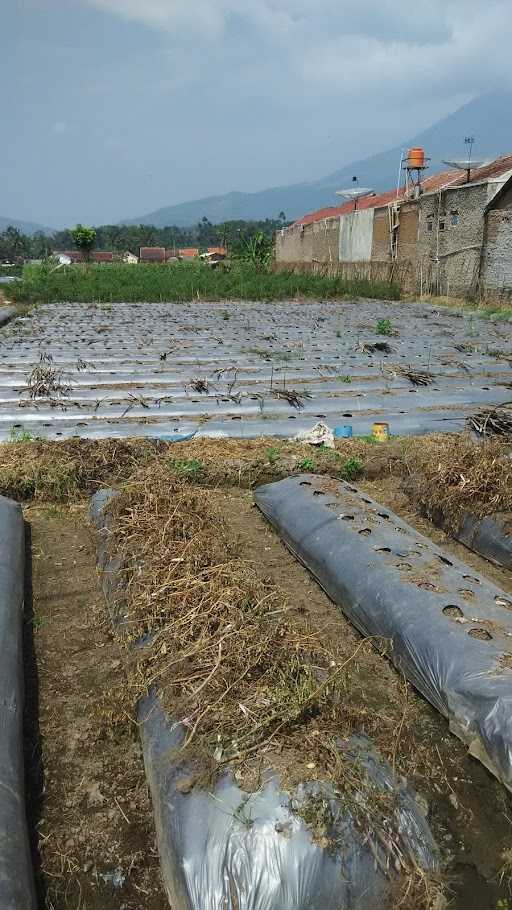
point(113, 108)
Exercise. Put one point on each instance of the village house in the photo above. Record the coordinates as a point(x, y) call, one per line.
point(152, 254)
point(67, 257)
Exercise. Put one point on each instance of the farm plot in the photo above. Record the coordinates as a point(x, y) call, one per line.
point(90, 816)
point(246, 369)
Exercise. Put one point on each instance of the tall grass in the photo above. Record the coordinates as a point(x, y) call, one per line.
point(174, 282)
point(12, 270)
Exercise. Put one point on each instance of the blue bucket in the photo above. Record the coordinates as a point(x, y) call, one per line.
point(344, 432)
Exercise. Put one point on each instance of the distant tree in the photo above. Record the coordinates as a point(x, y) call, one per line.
point(84, 239)
point(40, 245)
point(281, 216)
point(14, 245)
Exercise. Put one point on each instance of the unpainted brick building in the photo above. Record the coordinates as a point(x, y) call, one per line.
point(496, 264)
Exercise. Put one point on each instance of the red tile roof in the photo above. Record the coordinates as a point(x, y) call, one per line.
point(429, 185)
point(189, 252)
point(220, 250)
point(96, 255)
point(152, 254)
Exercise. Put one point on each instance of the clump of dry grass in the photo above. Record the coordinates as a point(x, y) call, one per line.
point(46, 469)
point(454, 474)
point(247, 682)
point(46, 380)
point(59, 471)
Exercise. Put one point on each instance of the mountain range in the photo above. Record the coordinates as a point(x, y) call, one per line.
point(26, 227)
point(486, 118)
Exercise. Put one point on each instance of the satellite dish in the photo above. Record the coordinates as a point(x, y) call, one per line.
point(464, 164)
point(355, 194)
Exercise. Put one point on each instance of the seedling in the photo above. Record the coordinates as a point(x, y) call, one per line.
point(188, 468)
point(352, 469)
point(384, 327)
point(306, 464)
point(273, 455)
point(20, 436)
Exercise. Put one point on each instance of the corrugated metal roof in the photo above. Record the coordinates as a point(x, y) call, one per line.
point(431, 184)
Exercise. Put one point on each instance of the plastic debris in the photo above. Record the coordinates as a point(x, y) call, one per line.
point(320, 435)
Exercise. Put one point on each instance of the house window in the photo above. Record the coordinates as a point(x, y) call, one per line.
point(454, 217)
point(442, 224)
point(430, 223)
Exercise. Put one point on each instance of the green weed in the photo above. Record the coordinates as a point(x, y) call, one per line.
point(352, 468)
point(384, 327)
point(273, 455)
point(20, 436)
point(188, 468)
point(306, 464)
point(346, 378)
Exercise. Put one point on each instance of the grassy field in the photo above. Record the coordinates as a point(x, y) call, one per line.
point(155, 283)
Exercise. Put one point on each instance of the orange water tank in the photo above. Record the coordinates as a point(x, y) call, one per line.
point(416, 158)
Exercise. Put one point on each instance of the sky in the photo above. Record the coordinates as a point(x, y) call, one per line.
point(114, 108)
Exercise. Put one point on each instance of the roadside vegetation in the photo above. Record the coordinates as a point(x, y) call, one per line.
point(241, 280)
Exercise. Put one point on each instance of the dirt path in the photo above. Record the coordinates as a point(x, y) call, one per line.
point(469, 810)
point(90, 813)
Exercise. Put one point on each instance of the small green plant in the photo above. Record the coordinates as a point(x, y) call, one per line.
point(306, 464)
point(20, 436)
point(225, 315)
point(188, 468)
point(369, 438)
point(346, 378)
point(384, 327)
point(352, 468)
point(273, 455)
point(503, 904)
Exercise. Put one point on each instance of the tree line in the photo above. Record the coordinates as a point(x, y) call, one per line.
point(235, 235)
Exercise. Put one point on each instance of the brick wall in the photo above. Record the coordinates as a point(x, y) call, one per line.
point(450, 237)
point(312, 242)
point(497, 252)
point(380, 244)
point(408, 233)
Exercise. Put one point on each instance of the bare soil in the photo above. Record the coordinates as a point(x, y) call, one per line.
point(89, 807)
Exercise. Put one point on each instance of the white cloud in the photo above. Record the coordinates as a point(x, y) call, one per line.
point(340, 45)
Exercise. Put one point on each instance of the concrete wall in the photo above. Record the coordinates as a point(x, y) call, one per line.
point(356, 234)
point(317, 242)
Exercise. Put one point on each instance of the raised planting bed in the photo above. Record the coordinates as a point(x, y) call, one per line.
point(16, 879)
point(447, 629)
